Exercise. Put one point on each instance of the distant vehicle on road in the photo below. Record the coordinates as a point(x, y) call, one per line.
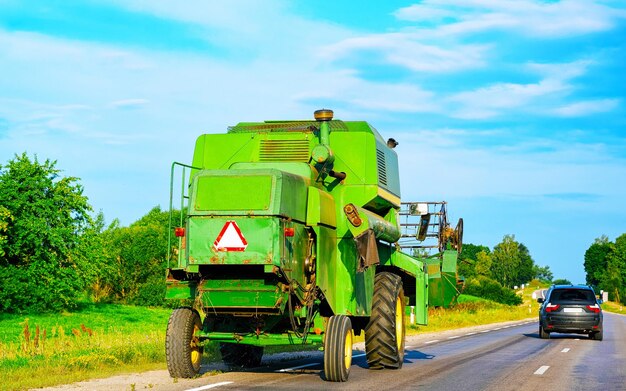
point(570, 309)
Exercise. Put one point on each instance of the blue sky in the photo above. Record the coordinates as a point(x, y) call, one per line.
point(513, 111)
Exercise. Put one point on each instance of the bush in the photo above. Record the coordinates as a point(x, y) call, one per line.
point(490, 289)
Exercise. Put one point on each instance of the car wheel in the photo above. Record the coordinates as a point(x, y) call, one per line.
point(597, 336)
point(543, 334)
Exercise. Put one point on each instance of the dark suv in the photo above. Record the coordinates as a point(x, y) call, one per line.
point(570, 309)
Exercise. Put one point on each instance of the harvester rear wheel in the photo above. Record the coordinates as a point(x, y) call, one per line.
point(338, 348)
point(240, 355)
point(384, 334)
point(182, 347)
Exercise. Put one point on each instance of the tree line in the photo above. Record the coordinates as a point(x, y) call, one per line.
point(493, 273)
point(55, 255)
point(605, 266)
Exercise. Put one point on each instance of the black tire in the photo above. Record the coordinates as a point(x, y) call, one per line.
point(338, 348)
point(597, 336)
point(240, 355)
point(384, 334)
point(543, 334)
point(182, 350)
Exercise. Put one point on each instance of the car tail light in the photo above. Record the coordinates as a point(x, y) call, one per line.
point(552, 307)
point(594, 308)
point(179, 232)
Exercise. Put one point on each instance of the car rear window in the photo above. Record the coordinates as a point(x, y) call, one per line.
point(583, 295)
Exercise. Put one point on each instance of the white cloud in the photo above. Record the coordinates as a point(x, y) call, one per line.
point(526, 17)
point(129, 104)
point(405, 50)
point(587, 107)
point(499, 98)
point(545, 97)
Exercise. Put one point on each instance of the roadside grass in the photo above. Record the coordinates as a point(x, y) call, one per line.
point(614, 307)
point(474, 311)
point(95, 341)
point(102, 340)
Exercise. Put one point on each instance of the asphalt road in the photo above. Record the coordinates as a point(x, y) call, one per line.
point(503, 357)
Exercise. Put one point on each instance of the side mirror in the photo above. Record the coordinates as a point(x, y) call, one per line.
point(540, 300)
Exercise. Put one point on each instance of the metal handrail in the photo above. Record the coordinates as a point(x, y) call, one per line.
point(183, 197)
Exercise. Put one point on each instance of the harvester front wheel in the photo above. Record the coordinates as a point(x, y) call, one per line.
point(384, 334)
point(239, 355)
point(338, 348)
point(182, 346)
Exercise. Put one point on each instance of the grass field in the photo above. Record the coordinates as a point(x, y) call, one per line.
point(614, 307)
point(96, 341)
point(106, 339)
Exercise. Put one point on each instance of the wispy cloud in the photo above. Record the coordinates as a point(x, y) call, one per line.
point(552, 95)
point(129, 104)
point(527, 17)
point(405, 50)
point(588, 107)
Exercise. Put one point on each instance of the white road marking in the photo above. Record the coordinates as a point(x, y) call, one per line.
point(505, 327)
point(429, 342)
point(470, 333)
point(209, 386)
point(298, 367)
point(454, 337)
point(542, 370)
point(485, 331)
point(499, 328)
point(565, 350)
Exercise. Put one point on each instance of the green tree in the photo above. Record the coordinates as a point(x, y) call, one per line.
point(137, 257)
point(614, 278)
point(506, 261)
point(468, 259)
point(42, 221)
point(483, 263)
point(543, 273)
point(562, 281)
point(526, 266)
point(596, 260)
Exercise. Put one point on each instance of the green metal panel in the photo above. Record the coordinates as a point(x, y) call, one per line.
point(320, 208)
point(232, 192)
point(254, 192)
point(263, 245)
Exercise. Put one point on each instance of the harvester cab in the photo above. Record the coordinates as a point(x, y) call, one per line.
point(289, 233)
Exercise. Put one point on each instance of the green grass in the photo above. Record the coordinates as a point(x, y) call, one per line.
point(612, 306)
point(473, 311)
point(98, 340)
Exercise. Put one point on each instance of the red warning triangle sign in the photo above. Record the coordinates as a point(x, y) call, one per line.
point(230, 238)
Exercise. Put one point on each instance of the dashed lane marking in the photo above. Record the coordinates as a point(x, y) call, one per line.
point(429, 342)
point(565, 350)
point(485, 331)
point(470, 333)
point(209, 386)
point(542, 369)
point(298, 367)
point(454, 337)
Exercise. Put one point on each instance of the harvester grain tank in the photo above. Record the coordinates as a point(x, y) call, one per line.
point(291, 236)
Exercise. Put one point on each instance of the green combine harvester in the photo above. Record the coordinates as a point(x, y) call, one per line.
point(290, 233)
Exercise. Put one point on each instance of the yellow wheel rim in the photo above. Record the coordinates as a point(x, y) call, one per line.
point(347, 352)
point(399, 322)
point(196, 355)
